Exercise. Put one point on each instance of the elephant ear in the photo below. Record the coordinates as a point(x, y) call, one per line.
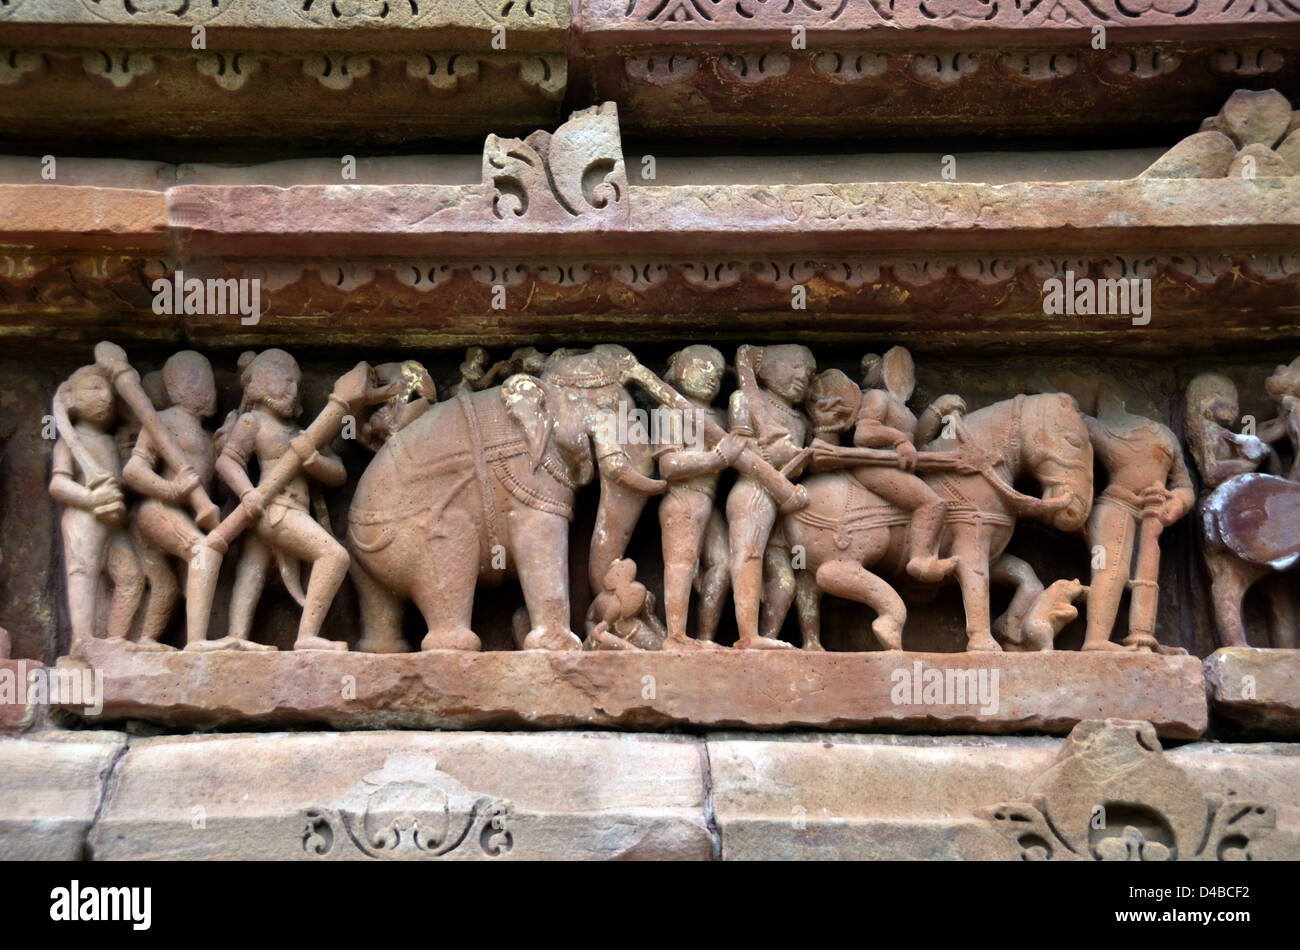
point(528, 404)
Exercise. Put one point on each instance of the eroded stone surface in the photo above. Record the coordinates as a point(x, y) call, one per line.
point(1048, 692)
point(329, 796)
point(50, 789)
point(872, 797)
point(1258, 689)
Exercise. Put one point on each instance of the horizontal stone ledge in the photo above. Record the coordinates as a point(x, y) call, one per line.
point(605, 23)
point(277, 24)
point(977, 693)
point(1257, 689)
point(77, 217)
point(331, 796)
point(391, 220)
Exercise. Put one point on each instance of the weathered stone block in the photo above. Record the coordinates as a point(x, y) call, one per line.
point(403, 796)
point(1257, 689)
point(50, 788)
point(965, 692)
point(1106, 793)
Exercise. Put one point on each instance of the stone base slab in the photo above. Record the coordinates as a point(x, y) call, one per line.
point(763, 690)
point(1256, 689)
point(324, 796)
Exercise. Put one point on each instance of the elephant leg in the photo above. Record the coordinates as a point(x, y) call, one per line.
point(444, 594)
point(381, 614)
point(852, 581)
point(1010, 569)
point(541, 551)
point(971, 547)
point(1282, 612)
point(808, 600)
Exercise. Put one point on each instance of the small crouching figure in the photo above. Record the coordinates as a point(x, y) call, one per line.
point(622, 616)
point(1047, 616)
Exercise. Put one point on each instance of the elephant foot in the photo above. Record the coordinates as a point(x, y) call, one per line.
point(382, 645)
point(687, 645)
point(553, 640)
point(320, 643)
point(889, 632)
point(982, 643)
point(1105, 646)
point(460, 638)
point(762, 643)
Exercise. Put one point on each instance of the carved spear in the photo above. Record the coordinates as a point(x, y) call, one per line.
point(351, 392)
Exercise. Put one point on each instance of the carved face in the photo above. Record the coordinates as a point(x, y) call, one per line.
point(271, 379)
point(787, 371)
point(696, 372)
point(92, 398)
point(833, 401)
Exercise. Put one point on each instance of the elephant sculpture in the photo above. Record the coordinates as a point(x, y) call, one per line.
point(482, 486)
point(847, 529)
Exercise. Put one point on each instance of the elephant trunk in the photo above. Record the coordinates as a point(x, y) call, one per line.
point(626, 481)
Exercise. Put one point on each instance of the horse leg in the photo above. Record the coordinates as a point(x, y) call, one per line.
point(808, 600)
point(1010, 569)
point(1229, 580)
point(852, 581)
point(1282, 609)
point(971, 547)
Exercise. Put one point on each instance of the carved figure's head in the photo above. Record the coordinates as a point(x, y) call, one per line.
point(187, 376)
point(696, 372)
point(88, 396)
point(833, 403)
point(787, 370)
point(1285, 382)
point(270, 379)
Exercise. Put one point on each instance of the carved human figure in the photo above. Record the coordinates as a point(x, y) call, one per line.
point(1283, 387)
point(283, 529)
point(416, 392)
point(1149, 490)
point(774, 382)
point(885, 422)
point(622, 615)
point(86, 481)
point(162, 519)
point(693, 532)
point(1223, 457)
point(476, 375)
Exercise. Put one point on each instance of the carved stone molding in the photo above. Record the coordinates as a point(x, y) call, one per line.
point(1113, 796)
point(408, 810)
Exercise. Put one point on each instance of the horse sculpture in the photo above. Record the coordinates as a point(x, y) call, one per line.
point(846, 529)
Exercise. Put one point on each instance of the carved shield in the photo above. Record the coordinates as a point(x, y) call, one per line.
point(1258, 518)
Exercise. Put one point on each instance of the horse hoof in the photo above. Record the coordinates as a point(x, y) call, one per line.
point(982, 643)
